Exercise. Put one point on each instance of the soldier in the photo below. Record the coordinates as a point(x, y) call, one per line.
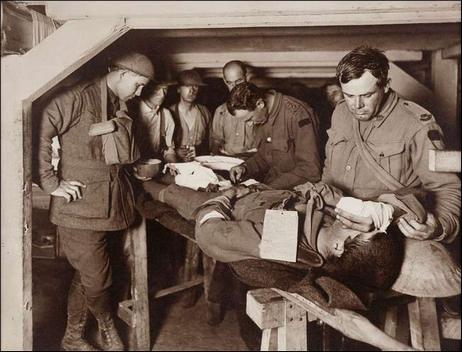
point(231, 135)
point(379, 142)
point(287, 136)
point(192, 120)
point(91, 194)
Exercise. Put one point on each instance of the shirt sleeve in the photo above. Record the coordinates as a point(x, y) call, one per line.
point(169, 126)
point(326, 172)
point(303, 128)
point(60, 114)
point(444, 187)
point(217, 137)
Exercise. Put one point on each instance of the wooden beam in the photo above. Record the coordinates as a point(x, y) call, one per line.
point(409, 88)
point(279, 58)
point(451, 52)
point(89, 38)
point(139, 288)
point(444, 160)
point(424, 324)
point(292, 336)
point(16, 284)
point(266, 308)
point(180, 287)
point(445, 76)
point(200, 14)
point(349, 323)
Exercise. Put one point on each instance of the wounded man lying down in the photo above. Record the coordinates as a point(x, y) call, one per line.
point(229, 228)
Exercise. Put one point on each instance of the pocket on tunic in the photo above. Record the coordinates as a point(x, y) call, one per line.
point(281, 153)
point(390, 155)
point(95, 196)
point(337, 142)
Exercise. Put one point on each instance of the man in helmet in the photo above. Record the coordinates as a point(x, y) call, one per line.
point(91, 194)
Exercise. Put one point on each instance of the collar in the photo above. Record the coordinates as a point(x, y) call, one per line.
point(145, 108)
point(387, 108)
point(114, 99)
point(277, 102)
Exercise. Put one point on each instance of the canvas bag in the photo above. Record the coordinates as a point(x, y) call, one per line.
point(118, 146)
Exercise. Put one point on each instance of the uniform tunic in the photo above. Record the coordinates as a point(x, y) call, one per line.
point(233, 135)
point(107, 200)
point(288, 152)
point(399, 139)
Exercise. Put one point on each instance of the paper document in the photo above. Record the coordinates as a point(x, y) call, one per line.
point(280, 235)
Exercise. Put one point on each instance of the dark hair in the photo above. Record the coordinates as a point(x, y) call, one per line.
point(149, 90)
point(371, 264)
point(363, 58)
point(241, 65)
point(244, 96)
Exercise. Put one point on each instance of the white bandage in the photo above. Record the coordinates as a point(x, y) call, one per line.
point(212, 215)
point(381, 213)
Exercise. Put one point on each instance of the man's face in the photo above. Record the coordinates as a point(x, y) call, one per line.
point(334, 94)
point(331, 240)
point(188, 93)
point(258, 116)
point(363, 96)
point(130, 85)
point(232, 76)
point(158, 96)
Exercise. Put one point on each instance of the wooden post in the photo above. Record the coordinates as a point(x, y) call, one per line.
point(444, 80)
point(139, 279)
point(292, 336)
point(423, 323)
point(16, 213)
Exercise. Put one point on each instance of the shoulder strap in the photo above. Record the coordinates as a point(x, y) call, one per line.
point(103, 100)
point(384, 177)
point(162, 122)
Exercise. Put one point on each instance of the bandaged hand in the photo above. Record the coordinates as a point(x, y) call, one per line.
point(413, 229)
point(364, 216)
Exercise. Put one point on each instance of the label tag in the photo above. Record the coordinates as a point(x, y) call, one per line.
point(280, 235)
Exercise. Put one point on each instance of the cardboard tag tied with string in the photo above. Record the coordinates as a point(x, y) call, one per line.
point(280, 235)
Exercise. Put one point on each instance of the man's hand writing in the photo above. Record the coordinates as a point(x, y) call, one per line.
point(236, 174)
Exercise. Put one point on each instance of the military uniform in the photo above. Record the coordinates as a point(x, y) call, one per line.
point(399, 138)
point(287, 145)
point(233, 135)
point(107, 202)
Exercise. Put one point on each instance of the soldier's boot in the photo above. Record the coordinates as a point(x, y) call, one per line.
point(110, 338)
point(77, 315)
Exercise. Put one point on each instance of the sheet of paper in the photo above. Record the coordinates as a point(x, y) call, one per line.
point(280, 235)
point(249, 182)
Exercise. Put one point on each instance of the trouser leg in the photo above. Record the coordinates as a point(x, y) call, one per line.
point(183, 199)
point(87, 252)
point(77, 315)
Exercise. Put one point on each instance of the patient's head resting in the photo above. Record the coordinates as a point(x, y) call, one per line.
point(368, 260)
